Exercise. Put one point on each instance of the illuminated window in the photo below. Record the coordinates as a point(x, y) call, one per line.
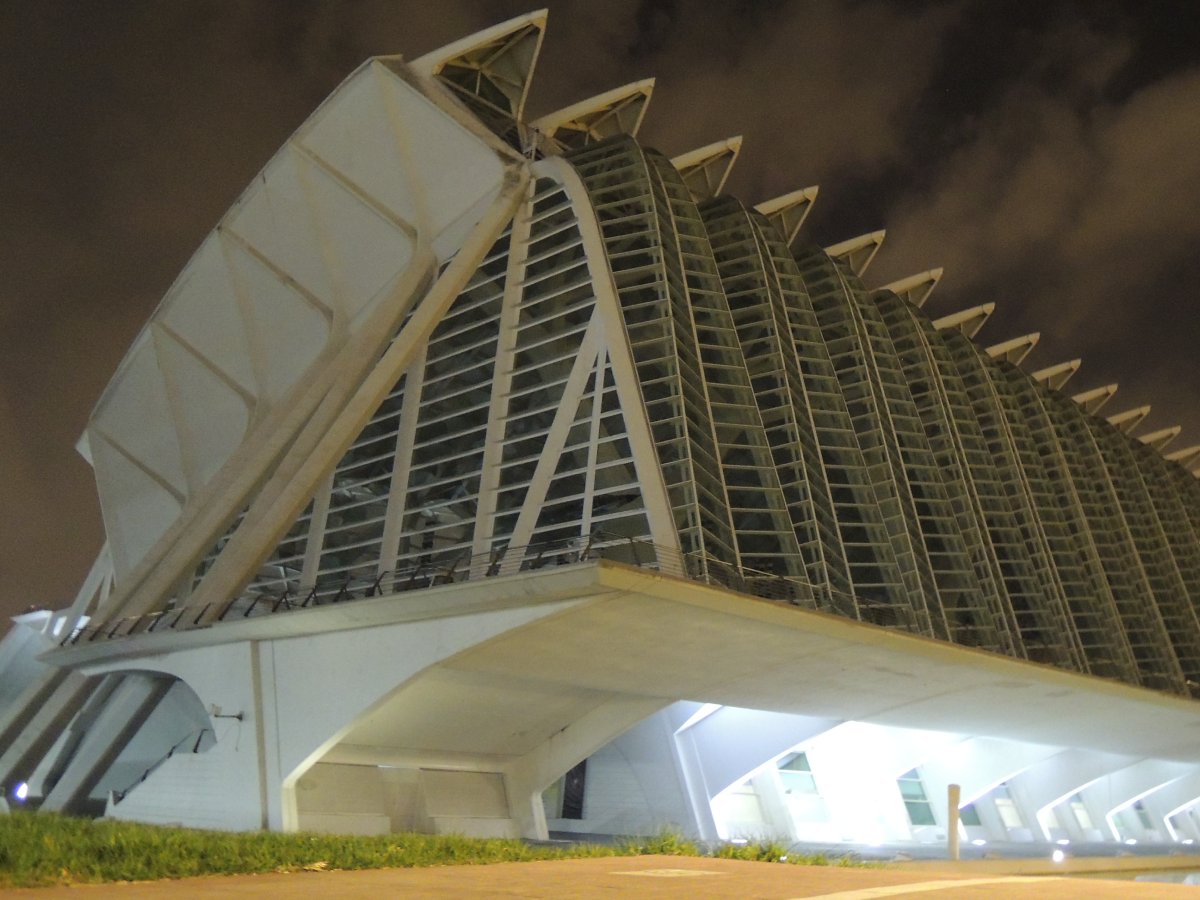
point(796, 775)
point(1080, 812)
point(1007, 808)
point(919, 810)
point(1143, 816)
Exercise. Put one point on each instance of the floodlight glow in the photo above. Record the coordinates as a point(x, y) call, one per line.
point(21, 791)
point(1058, 856)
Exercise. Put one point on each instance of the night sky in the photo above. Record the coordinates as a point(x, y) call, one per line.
point(1047, 154)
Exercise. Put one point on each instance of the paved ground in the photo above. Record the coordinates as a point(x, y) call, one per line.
point(641, 877)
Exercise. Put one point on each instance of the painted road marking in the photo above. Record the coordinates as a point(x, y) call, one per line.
point(920, 887)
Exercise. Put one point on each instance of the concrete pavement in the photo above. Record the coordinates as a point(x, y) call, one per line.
point(644, 877)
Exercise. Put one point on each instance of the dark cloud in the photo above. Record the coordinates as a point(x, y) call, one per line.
point(1044, 154)
point(1075, 214)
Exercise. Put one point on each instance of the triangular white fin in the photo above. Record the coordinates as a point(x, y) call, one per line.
point(858, 252)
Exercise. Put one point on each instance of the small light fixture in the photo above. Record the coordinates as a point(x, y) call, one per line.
point(1187, 841)
point(1058, 856)
point(979, 842)
point(21, 791)
point(738, 841)
point(1063, 842)
point(1131, 841)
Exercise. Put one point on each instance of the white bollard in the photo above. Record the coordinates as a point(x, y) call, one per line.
point(953, 795)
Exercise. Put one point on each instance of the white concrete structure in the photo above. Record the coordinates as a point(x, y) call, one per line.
point(502, 476)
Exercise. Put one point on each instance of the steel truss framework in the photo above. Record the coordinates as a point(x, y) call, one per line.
point(436, 342)
point(640, 370)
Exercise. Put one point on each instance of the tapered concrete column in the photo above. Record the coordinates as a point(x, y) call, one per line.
point(1173, 799)
point(131, 702)
point(1120, 789)
point(34, 726)
point(526, 778)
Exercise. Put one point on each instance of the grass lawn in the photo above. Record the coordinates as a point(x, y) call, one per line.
point(38, 849)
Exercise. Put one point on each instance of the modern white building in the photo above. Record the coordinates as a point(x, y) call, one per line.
point(502, 476)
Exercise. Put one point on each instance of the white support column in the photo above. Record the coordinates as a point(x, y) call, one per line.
point(978, 765)
point(35, 721)
point(316, 531)
point(414, 383)
point(121, 716)
point(527, 777)
point(556, 439)
point(1051, 783)
point(1120, 789)
point(1173, 799)
point(614, 338)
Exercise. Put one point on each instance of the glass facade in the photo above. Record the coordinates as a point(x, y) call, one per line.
point(641, 371)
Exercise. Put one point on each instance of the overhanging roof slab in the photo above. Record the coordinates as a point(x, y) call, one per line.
point(638, 634)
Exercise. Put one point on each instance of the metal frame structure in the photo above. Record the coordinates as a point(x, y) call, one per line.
point(435, 343)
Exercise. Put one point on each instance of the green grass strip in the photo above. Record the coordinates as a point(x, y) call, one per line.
point(40, 849)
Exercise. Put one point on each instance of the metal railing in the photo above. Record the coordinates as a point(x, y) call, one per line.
point(434, 569)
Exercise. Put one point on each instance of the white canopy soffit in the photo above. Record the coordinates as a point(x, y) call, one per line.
point(361, 205)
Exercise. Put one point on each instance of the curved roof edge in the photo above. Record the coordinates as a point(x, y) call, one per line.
point(968, 321)
point(1093, 400)
point(858, 252)
point(789, 211)
point(916, 288)
point(1056, 377)
point(1186, 456)
point(1130, 419)
point(619, 111)
point(506, 54)
point(1160, 439)
point(1015, 350)
point(707, 168)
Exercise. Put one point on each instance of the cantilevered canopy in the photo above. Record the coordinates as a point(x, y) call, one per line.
point(858, 252)
point(1016, 350)
point(969, 321)
point(1056, 377)
point(619, 111)
point(706, 169)
point(789, 211)
point(1093, 400)
point(915, 288)
point(491, 70)
point(1130, 419)
point(1161, 438)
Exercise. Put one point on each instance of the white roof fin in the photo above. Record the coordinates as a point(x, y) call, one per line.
point(1161, 438)
point(1056, 377)
point(1016, 350)
point(968, 321)
point(915, 288)
point(1130, 419)
point(1093, 400)
point(707, 168)
point(789, 211)
point(619, 111)
point(858, 252)
point(1186, 456)
point(492, 68)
